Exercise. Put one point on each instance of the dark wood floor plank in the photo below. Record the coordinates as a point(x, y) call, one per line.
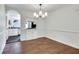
point(39, 46)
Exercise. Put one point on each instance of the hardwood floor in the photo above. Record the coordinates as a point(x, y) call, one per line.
point(39, 46)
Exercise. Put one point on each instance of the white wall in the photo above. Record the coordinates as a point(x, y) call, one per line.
point(3, 31)
point(63, 25)
point(27, 34)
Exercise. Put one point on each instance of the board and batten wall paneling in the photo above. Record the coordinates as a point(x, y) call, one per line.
point(63, 25)
point(3, 30)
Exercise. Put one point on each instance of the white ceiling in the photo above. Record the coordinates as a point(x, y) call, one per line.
point(34, 7)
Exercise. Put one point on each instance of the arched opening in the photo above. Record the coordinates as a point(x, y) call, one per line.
point(13, 26)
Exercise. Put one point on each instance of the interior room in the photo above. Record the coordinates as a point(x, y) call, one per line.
point(39, 28)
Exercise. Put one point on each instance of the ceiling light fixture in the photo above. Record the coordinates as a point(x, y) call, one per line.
point(40, 14)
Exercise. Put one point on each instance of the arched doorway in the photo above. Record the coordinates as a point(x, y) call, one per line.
point(13, 26)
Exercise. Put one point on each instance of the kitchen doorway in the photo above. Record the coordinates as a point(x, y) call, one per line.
point(13, 26)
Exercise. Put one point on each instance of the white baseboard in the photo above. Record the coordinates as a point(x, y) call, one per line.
point(66, 43)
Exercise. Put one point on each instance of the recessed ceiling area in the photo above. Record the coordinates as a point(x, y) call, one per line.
point(29, 9)
point(34, 7)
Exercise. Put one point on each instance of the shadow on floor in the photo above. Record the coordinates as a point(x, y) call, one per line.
point(12, 39)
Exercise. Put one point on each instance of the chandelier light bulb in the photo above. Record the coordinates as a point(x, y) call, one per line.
point(43, 16)
point(40, 12)
point(45, 13)
point(35, 14)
